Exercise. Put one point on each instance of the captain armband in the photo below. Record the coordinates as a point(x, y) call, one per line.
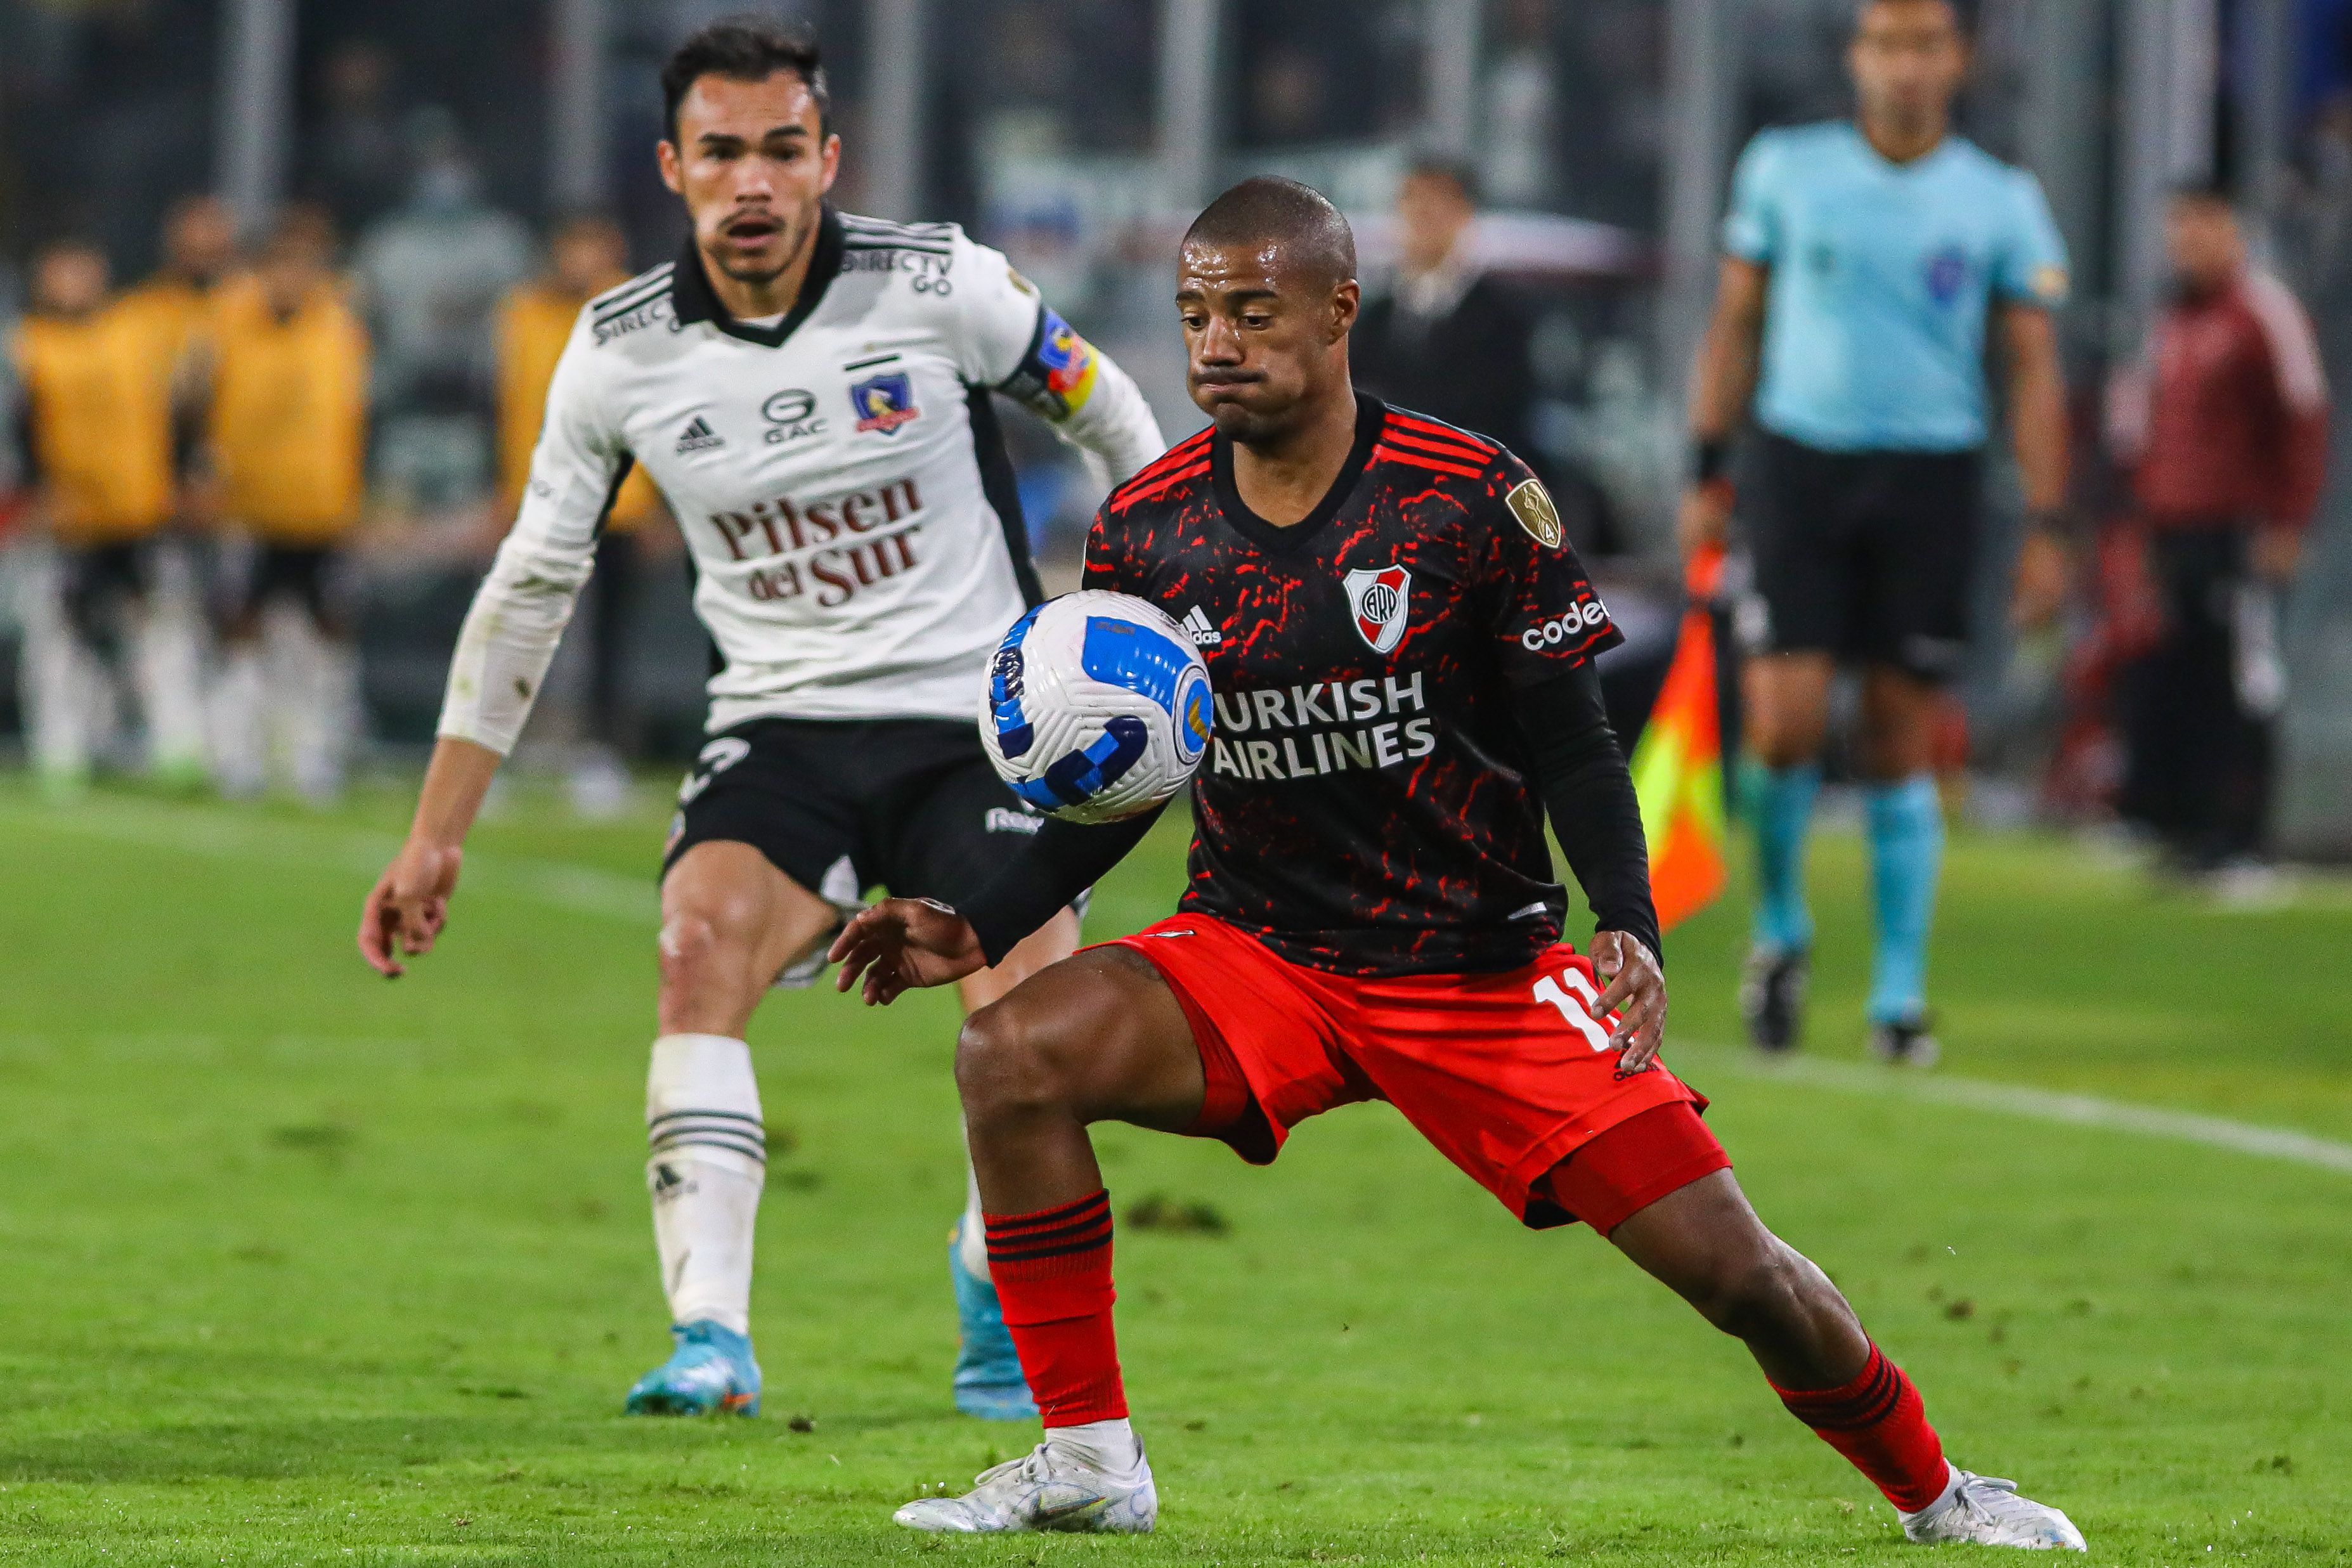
point(1057, 375)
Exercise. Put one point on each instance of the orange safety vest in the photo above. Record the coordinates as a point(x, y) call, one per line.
point(535, 321)
point(172, 316)
point(102, 425)
point(290, 414)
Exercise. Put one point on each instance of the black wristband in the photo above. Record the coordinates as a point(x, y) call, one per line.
point(1710, 461)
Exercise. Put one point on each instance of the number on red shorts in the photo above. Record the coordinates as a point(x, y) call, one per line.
point(1576, 1008)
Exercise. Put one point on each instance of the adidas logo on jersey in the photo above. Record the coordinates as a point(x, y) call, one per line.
point(698, 436)
point(1196, 626)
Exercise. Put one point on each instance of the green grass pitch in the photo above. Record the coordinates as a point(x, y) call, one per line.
point(305, 1266)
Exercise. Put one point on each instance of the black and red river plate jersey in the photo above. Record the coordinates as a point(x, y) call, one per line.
point(1366, 806)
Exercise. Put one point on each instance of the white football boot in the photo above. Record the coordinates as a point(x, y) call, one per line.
point(1989, 1512)
point(1044, 1489)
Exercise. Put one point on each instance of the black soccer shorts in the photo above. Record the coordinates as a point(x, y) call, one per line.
point(1868, 556)
point(844, 805)
point(321, 577)
point(93, 581)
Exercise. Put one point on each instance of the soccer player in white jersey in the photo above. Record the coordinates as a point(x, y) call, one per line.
point(812, 392)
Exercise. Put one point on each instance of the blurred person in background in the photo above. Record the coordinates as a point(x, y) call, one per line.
point(1452, 340)
point(1869, 262)
point(286, 433)
point(95, 438)
point(2223, 422)
point(434, 269)
point(1448, 338)
point(171, 314)
point(1519, 154)
point(356, 159)
point(171, 309)
point(587, 256)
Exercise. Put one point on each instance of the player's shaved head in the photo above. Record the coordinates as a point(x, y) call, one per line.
point(1294, 227)
point(1265, 285)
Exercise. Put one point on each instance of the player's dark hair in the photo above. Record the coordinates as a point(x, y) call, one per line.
point(2206, 190)
point(301, 225)
point(66, 240)
point(570, 220)
point(1312, 233)
point(746, 48)
point(1459, 173)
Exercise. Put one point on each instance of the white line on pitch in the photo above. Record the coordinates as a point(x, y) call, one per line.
point(580, 889)
point(2036, 1104)
point(588, 890)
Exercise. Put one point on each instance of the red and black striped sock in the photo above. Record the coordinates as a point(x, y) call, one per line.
point(1880, 1425)
point(1052, 1271)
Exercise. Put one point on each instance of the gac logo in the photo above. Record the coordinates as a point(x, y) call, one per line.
point(788, 416)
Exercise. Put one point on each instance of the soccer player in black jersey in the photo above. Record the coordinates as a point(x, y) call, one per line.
point(1401, 642)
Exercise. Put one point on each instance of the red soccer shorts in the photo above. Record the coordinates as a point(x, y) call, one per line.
point(1507, 1074)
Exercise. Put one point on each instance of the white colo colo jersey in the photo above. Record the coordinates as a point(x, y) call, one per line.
point(838, 475)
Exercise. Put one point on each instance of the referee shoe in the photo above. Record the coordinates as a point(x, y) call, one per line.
point(1772, 997)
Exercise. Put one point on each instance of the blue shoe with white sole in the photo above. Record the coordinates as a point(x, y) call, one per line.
point(711, 1373)
point(987, 1381)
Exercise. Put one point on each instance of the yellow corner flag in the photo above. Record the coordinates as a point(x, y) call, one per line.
point(1678, 764)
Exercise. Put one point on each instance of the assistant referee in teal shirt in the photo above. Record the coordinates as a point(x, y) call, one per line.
point(1866, 262)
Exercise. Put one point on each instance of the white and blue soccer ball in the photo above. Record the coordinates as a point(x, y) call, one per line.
point(1097, 708)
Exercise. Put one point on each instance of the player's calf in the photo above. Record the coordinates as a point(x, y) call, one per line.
point(1095, 1037)
point(1704, 1242)
point(726, 915)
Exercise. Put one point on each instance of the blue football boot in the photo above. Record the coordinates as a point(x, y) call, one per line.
point(987, 1381)
point(711, 1373)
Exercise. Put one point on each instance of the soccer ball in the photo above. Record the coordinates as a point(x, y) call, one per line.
point(1097, 708)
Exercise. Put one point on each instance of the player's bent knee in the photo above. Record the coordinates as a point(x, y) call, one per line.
point(697, 953)
point(1002, 1066)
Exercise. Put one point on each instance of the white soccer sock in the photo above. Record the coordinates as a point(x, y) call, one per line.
point(329, 722)
point(1108, 1446)
point(170, 666)
point(60, 683)
point(707, 1163)
point(313, 682)
point(239, 722)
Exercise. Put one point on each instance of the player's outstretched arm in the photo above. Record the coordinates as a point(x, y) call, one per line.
point(1722, 384)
point(1595, 814)
point(410, 903)
point(1011, 340)
point(2041, 429)
point(904, 943)
point(503, 651)
point(1115, 427)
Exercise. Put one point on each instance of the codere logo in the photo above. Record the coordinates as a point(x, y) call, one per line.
point(1585, 615)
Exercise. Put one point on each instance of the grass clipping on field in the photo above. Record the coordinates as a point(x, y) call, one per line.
point(1158, 1211)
